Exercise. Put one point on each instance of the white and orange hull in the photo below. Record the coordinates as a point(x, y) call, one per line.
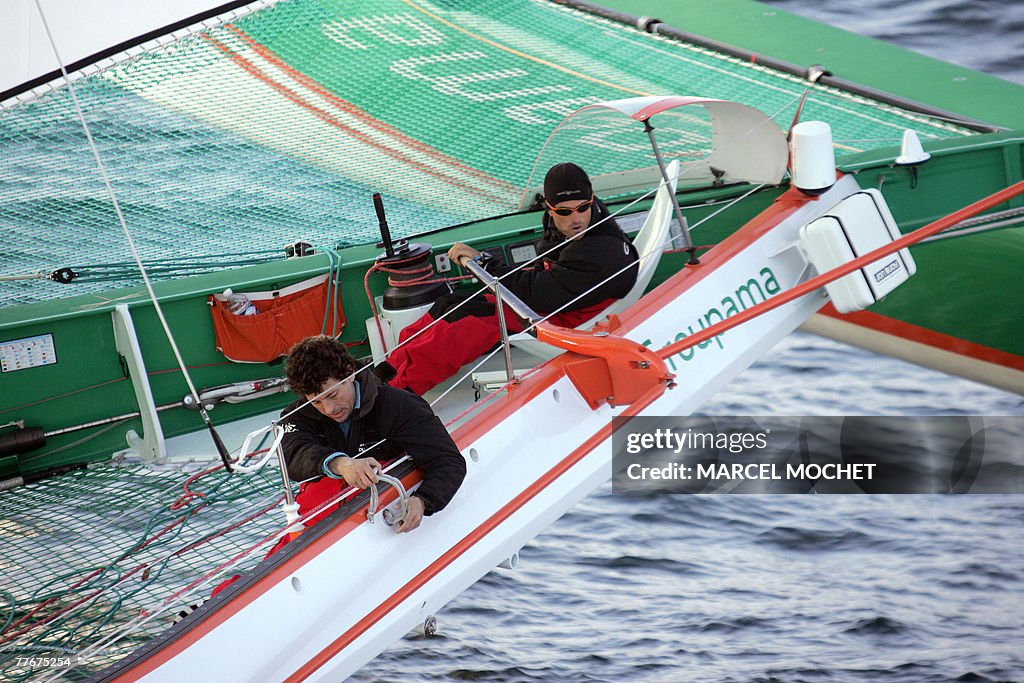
point(331, 603)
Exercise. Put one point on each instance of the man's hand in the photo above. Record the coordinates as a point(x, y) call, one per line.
point(358, 472)
point(461, 251)
point(413, 516)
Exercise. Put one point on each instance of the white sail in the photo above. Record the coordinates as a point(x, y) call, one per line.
point(81, 28)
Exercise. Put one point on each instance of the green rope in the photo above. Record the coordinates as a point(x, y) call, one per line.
point(333, 287)
point(136, 570)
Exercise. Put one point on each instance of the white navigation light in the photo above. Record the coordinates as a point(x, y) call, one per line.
point(814, 160)
point(911, 152)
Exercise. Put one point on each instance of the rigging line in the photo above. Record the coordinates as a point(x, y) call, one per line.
point(517, 53)
point(964, 231)
point(188, 260)
point(205, 579)
point(159, 561)
point(808, 286)
point(610, 216)
point(988, 218)
point(156, 609)
point(68, 393)
point(73, 444)
point(125, 269)
point(221, 449)
point(37, 275)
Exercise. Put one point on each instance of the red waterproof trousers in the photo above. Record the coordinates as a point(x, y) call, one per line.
point(441, 349)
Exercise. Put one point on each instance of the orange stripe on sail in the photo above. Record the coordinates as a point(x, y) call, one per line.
point(326, 117)
point(362, 114)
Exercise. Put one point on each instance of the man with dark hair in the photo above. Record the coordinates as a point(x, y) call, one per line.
point(334, 434)
point(592, 264)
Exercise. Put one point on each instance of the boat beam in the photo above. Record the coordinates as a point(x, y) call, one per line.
point(150, 446)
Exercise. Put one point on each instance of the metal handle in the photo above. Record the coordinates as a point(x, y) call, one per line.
point(382, 223)
point(390, 518)
point(511, 300)
point(271, 451)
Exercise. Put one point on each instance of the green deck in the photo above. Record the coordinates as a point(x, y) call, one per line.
point(769, 30)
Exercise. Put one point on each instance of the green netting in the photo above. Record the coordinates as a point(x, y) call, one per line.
point(90, 560)
point(280, 125)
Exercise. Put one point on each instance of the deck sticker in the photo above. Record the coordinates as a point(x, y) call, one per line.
point(29, 352)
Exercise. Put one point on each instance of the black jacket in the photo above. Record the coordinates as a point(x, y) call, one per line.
point(576, 266)
point(404, 420)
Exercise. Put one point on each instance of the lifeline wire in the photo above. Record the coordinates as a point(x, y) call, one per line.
point(131, 243)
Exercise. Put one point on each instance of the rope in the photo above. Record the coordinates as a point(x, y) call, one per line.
point(312, 513)
point(128, 237)
point(426, 271)
point(148, 540)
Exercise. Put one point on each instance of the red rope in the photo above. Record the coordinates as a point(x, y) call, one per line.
point(69, 393)
point(839, 271)
point(49, 619)
point(425, 279)
point(189, 494)
point(196, 544)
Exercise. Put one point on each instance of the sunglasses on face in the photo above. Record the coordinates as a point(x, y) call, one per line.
point(565, 211)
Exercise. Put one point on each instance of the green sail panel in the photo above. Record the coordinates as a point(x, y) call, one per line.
point(241, 138)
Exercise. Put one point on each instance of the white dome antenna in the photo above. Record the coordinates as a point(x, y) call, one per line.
point(911, 152)
point(813, 159)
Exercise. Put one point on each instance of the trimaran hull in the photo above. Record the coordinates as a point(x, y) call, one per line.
point(335, 602)
point(535, 451)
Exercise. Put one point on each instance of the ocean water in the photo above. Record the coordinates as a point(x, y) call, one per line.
point(987, 35)
point(784, 588)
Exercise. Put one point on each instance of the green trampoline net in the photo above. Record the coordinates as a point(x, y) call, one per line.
point(98, 561)
point(231, 142)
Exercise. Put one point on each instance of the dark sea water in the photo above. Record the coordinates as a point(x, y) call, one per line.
point(987, 35)
point(784, 588)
